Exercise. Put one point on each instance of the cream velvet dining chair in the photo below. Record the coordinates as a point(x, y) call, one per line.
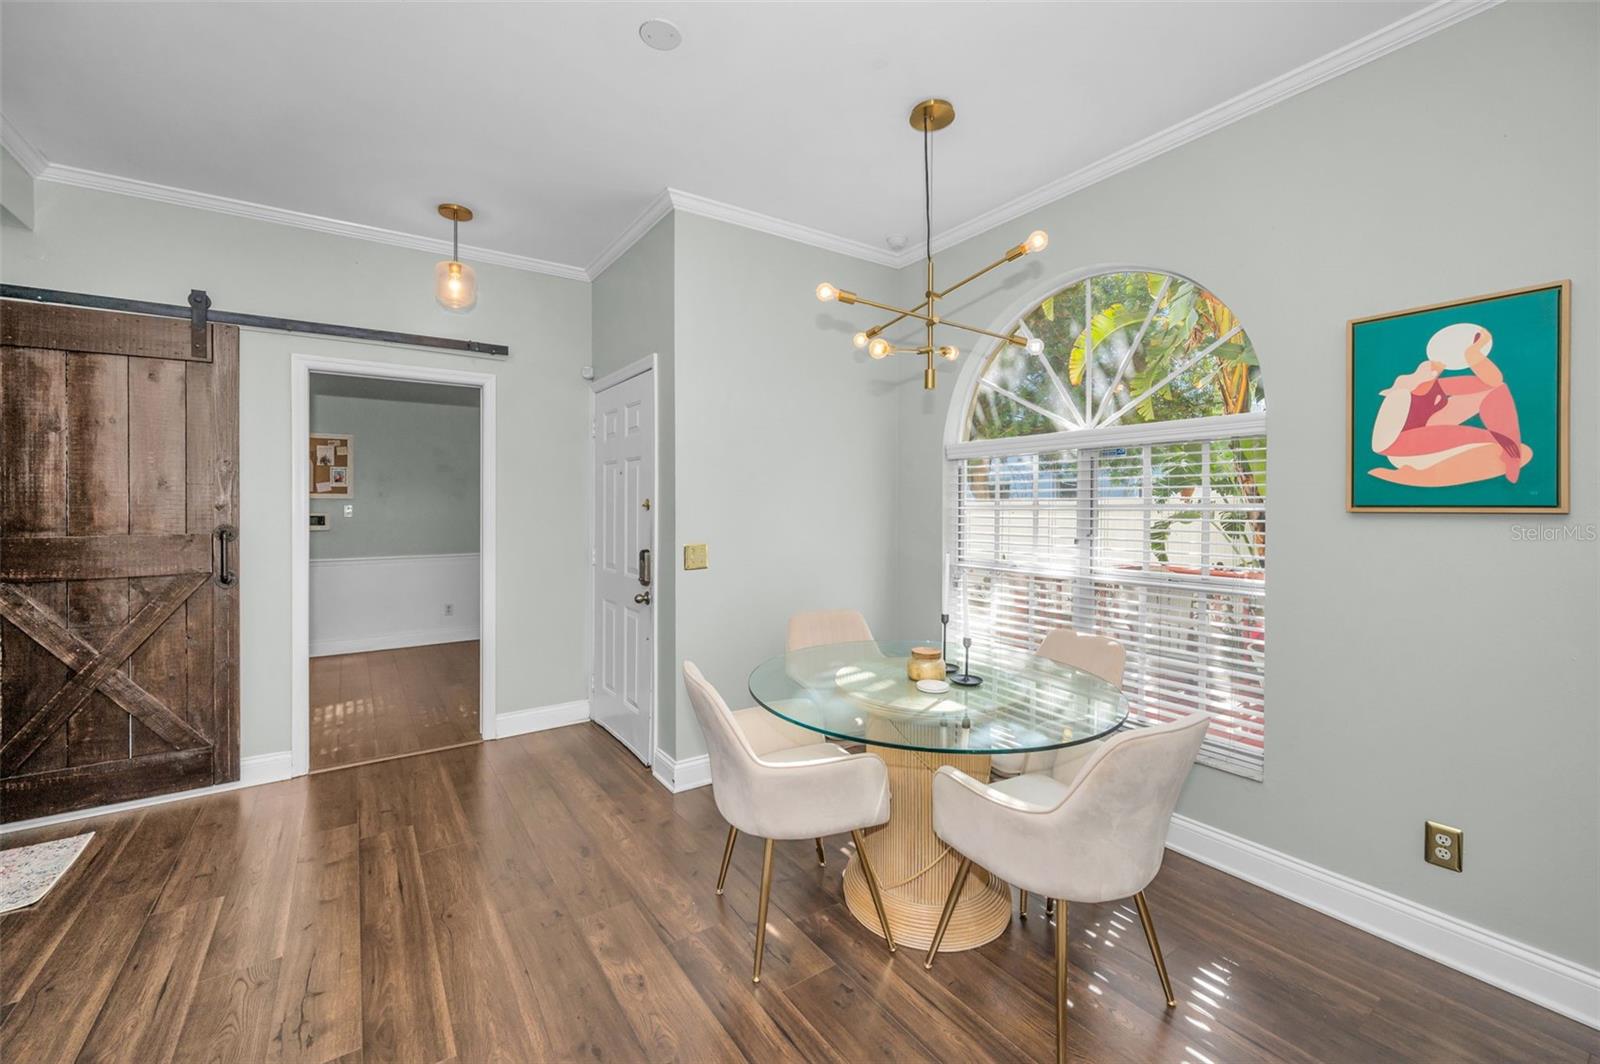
point(1097, 654)
point(770, 734)
point(795, 792)
point(818, 628)
point(1099, 837)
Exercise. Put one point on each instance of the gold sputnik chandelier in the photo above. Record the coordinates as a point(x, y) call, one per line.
point(930, 116)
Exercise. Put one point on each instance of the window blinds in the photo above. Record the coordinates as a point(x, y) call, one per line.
point(1160, 545)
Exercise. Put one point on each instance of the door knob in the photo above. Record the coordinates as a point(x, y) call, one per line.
point(642, 598)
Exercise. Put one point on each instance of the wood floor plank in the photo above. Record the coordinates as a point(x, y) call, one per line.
point(492, 1009)
point(230, 1019)
point(668, 1017)
point(143, 1017)
point(317, 1008)
point(391, 703)
point(543, 898)
point(763, 1023)
point(405, 1015)
point(583, 1018)
point(53, 1018)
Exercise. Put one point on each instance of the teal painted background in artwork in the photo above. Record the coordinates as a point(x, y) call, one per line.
point(1527, 344)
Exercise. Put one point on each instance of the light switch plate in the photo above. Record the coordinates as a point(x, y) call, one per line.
point(694, 556)
point(349, 509)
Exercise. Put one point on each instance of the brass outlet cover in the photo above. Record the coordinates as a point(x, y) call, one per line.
point(694, 556)
point(1441, 845)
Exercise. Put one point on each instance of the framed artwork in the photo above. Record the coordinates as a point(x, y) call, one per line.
point(332, 466)
point(1461, 407)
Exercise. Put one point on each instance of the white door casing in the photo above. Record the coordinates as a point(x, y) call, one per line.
point(623, 698)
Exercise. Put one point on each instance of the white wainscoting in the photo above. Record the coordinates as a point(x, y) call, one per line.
point(361, 604)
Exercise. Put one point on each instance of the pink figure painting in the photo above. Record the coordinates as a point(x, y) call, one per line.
point(1421, 427)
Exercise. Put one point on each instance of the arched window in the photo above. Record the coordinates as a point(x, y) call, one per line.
point(1116, 483)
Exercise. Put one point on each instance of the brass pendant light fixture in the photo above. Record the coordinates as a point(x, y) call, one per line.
point(454, 284)
point(928, 117)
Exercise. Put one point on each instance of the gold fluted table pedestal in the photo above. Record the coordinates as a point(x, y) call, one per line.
point(915, 869)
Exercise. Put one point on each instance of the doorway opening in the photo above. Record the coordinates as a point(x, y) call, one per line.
point(393, 561)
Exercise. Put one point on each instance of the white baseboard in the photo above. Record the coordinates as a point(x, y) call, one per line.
point(420, 637)
point(679, 776)
point(253, 771)
point(540, 718)
point(1556, 983)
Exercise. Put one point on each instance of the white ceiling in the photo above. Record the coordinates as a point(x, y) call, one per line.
point(559, 126)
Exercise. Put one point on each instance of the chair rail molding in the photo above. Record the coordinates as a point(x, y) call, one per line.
point(1528, 972)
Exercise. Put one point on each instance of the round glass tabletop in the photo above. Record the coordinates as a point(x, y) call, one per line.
point(859, 692)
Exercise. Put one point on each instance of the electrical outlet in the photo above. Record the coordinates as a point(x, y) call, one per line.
point(449, 609)
point(349, 509)
point(1441, 845)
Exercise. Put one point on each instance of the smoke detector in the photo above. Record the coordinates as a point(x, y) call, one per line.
point(660, 34)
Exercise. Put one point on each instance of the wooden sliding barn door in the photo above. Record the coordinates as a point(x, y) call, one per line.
point(119, 599)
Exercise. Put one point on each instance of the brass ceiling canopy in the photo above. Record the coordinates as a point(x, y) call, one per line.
point(928, 117)
point(932, 115)
point(455, 212)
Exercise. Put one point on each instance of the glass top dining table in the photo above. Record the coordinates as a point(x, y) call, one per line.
point(859, 692)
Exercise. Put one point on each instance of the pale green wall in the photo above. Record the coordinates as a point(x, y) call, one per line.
point(786, 443)
point(416, 467)
point(16, 191)
point(1419, 666)
point(633, 319)
point(115, 245)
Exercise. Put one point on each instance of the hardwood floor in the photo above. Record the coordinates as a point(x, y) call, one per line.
point(388, 703)
point(541, 898)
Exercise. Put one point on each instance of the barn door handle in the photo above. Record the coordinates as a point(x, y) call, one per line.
point(224, 535)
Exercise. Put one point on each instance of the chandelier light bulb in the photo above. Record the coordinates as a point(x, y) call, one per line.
point(1036, 346)
point(879, 347)
point(859, 339)
point(455, 286)
point(1037, 241)
point(826, 292)
point(949, 352)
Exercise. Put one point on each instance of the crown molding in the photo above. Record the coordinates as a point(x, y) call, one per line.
point(1414, 27)
point(21, 149)
point(657, 209)
point(1408, 30)
point(205, 201)
point(689, 203)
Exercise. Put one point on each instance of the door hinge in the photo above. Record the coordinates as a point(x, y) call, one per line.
point(592, 424)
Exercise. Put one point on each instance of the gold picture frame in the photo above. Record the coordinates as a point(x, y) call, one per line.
point(1360, 494)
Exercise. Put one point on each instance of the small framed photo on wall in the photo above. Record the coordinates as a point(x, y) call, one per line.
point(1461, 407)
point(332, 466)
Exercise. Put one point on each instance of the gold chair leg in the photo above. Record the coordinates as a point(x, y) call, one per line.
point(822, 857)
point(1022, 905)
point(1061, 983)
point(761, 909)
point(872, 886)
point(1155, 947)
point(727, 856)
point(949, 909)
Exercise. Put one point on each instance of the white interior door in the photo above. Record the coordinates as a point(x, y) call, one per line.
point(623, 698)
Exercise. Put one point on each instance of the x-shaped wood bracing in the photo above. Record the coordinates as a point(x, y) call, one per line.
point(96, 670)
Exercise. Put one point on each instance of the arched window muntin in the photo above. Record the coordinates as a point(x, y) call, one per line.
point(1116, 482)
